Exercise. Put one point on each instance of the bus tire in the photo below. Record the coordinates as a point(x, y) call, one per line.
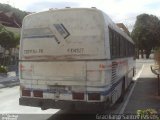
point(121, 99)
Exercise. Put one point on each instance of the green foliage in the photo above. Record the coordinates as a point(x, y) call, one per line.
point(148, 113)
point(8, 39)
point(146, 32)
point(16, 40)
point(7, 8)
point(157, 56)
point(157, 49)
point(1, 28)
point(3, 69)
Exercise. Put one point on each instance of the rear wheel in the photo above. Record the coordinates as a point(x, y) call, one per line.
point(122, 91)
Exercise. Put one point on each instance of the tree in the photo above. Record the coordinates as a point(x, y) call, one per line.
point(146, 33)
point(8, 40)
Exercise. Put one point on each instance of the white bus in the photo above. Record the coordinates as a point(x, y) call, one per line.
point(73, 58)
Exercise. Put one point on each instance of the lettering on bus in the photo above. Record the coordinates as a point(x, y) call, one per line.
point(76, 50)
point(33, 51)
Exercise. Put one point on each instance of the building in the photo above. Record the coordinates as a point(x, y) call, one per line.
point(123, 27)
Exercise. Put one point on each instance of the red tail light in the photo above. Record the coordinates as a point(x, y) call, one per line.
point(37, 93)
point(78, 96)
point(93, 96)
point(26, 93)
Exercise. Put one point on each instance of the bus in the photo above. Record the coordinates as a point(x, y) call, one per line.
point(73, 58)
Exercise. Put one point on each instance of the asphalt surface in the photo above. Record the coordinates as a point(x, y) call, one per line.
point(145, 94)
point(9, 98)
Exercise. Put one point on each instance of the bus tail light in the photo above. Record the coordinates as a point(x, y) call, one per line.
point(26, 93)
point(93, 96)
point(78, 96)
point(37, 93)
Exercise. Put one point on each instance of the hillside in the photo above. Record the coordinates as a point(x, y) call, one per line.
point(7, 8)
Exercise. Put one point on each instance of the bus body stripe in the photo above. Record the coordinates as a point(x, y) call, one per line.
point(105, 92)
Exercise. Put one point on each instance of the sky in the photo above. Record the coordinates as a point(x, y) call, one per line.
point(124, 11)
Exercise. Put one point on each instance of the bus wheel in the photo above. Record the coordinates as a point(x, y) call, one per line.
point(122, 91)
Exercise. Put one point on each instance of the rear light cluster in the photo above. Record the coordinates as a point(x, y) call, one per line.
point(78, 96)
point(26, 93)
point(36, 93)
point(93, 96)
point(75, 95)
point(81, 96)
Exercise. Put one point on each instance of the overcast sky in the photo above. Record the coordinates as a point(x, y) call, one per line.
point(119, 10)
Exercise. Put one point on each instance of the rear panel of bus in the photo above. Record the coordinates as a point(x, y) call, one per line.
point(62, 56)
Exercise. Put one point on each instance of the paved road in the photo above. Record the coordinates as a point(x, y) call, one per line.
point(146, 91)
point(9, 103)
point(140, 62)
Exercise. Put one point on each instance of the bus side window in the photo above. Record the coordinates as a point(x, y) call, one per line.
point(118, 46)
point(121, 47)
point(111, 42)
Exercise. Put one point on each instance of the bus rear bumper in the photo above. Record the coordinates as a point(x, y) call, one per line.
point(61, 104)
